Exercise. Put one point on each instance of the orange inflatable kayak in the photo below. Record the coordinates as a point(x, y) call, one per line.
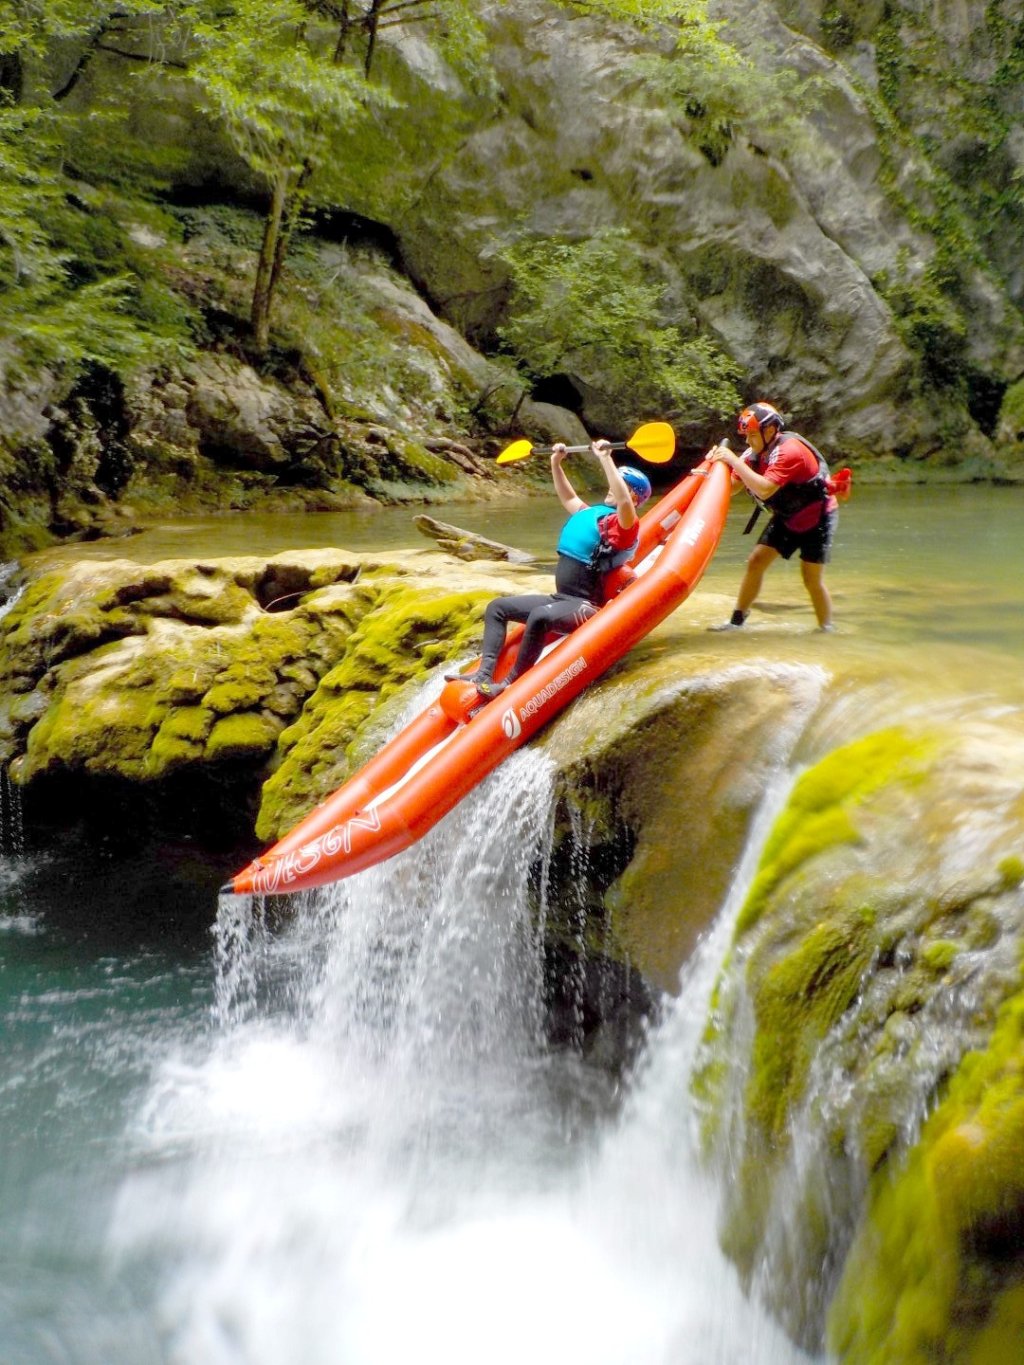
point(426, 770)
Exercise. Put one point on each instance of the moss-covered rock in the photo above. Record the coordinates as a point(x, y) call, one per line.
point(136, 672)
point(225, 670)
point(868, 963)
point(819, 814)
point(405, 632)
point(655, 844)
point(936, 1271)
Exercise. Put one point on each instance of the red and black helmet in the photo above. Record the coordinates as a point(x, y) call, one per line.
point(756, 418)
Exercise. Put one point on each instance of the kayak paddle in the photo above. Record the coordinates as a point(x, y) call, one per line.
point(654, 442)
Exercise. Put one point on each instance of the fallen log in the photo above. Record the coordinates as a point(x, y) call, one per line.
point(467, 544)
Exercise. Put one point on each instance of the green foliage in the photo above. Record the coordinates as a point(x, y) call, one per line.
point(263, 74)
point(931, 325)
point(309, 120)
point(591, 307)
point(28, 191)
point(72, 290)
point(28, 27)
point(838, 28)
point(716, 90)
point(972, 191)
point(645, 13)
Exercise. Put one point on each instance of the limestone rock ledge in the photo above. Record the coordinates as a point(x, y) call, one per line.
point(861, 1079)
point(119, 672)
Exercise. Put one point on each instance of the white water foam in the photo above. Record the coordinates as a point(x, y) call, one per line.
point(376, 1158)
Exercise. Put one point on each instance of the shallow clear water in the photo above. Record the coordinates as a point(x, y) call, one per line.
point(343, 1140)
point(941, 565)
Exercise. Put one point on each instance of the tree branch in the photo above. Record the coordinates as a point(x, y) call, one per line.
point(408, 19)
point(141, 57)
point(96, 44)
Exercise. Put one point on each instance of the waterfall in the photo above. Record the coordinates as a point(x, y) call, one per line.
point(12, 828)
point(12, 831)
point(374, 1155)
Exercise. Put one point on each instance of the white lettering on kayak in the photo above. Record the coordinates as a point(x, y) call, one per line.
point(692, 533)
point(555, 686)
point(280, 872)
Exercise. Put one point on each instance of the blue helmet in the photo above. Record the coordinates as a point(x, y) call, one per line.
point(637, 482)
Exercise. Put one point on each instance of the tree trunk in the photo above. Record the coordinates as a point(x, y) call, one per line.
point(515, 411)
point(263, 290)
point(344, 25)
point(370, 22)
point(293, 210)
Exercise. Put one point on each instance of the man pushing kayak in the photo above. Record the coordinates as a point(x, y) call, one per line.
point(788, 478)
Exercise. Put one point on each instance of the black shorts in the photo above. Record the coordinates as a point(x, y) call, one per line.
point(815, 545)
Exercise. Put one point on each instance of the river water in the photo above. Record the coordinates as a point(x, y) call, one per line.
point(343, 1140)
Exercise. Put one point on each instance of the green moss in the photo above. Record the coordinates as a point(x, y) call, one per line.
point(937, 1270)
point(408, 333)
point(819, 814)
point(167, 753)
point(401, 638)
point(820, 831)
point(939, 955)
point(244, 735)
point(797, 999)
point(235, 694)
point(143, 706)
point(189, 722)
point(999, 1340)
point(108, 732)
point(180, 739)
point(410, 460)
point(1011, 871)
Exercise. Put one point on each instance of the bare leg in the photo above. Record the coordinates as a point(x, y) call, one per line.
point(814, 582)
point(761, 559)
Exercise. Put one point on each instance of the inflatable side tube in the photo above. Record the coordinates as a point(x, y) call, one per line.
point(386, 822)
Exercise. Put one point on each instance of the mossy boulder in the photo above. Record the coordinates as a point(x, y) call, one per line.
point(131, 668)
point(879, 941)
point(936, 1271)
point(400, 639)
point(227, 671)
point(137, 672)
point(661, 770)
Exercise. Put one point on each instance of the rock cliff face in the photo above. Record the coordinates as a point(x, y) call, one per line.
point(848, 237)
point(787, 247)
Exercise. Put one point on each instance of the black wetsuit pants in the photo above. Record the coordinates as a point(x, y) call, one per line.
point(557, 614)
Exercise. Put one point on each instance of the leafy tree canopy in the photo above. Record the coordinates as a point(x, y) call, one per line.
point(592, 308)
point(264, 74)
point(30, 26)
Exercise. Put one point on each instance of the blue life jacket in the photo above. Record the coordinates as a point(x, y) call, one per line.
point(581, 539)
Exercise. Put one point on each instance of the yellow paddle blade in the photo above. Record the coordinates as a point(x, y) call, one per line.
point(518, 450)
point(654, 442)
